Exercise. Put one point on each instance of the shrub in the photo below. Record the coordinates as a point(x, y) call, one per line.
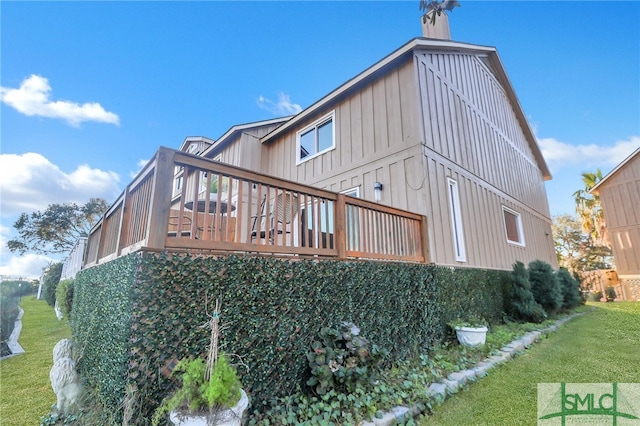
point(342, 360)
point(570, 289)
point(595, 296)
point(50, 283)
point(64, 296)
point(198, 395)
point(610, 293)
point(544, 286)
point(523, 305)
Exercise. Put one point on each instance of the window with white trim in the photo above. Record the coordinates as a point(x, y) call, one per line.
point(456, 220)
point(316, 138)
point(513, 226)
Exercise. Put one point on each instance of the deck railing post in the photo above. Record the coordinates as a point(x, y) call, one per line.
point(101, 238)
point(424, 231)
point(160, 199)
point(340, 216)
point(123, 226)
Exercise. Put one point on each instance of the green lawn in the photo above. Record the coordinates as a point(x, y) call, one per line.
point(25, 391)
point(599, 347)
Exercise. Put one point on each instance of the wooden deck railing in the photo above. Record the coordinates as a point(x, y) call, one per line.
point(222, 208)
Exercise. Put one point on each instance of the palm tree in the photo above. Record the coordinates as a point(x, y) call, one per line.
point(589, 209)
point(437, 7)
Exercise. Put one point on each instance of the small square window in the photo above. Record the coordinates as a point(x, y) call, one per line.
point(513, 226)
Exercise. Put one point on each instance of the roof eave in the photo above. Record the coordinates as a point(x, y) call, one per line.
point(387, 61)
point(235, 130)
point(520, 116)
point(596, 187)
point(190, 139)
point(397, 55)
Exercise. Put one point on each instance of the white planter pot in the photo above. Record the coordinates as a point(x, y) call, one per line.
point(471, 336)
point(230, 417)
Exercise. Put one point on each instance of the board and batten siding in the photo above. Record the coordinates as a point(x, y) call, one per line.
point(430, 117)
point(471, 135)
point(376, 121)
point(484, 231)
point(620, 198)
point(245, 149)
point(469, 120)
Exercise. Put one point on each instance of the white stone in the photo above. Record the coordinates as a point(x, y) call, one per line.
point(386, 420)
point(400, 412)
point(12, 343)
point(438, 389)
point(452, 386)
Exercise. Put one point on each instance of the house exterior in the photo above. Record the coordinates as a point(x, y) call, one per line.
point(436, 125)
point(619, 193)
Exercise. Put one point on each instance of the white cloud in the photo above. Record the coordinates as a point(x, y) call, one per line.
point(32, 98)
point(31, 182)
point(28, 266)
point(560, 154)
point(140, 164)
point(4, 236)
point(283, 106)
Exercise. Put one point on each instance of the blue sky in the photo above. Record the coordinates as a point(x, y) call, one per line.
point(92, 89)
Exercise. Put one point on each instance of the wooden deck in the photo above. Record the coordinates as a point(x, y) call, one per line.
point(224, 209)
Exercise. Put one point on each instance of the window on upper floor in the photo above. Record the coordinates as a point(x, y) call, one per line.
point(513, 226)
point(316, 138)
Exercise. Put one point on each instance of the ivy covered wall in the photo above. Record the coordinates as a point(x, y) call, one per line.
point(272, 308)
point(101, 324)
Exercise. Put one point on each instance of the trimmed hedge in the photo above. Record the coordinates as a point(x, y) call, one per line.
point(64, 296)
point(50, 283)
point(146, 310)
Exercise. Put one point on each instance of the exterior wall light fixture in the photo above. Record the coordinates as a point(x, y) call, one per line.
point(377, 191)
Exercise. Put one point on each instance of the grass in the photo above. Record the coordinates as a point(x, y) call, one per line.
point(599, 347)
point(25, 390)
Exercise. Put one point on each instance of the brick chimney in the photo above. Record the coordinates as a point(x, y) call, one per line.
point(441, 28)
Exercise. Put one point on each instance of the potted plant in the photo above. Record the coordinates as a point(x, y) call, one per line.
point(210, 393)
point(471, 332)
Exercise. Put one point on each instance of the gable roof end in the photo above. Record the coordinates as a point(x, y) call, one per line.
point(596, 187)
point(239, 128)
point(395, 58)
point(190, 139)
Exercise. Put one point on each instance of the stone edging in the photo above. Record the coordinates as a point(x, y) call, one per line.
point(13, 344)
point(440, 391)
